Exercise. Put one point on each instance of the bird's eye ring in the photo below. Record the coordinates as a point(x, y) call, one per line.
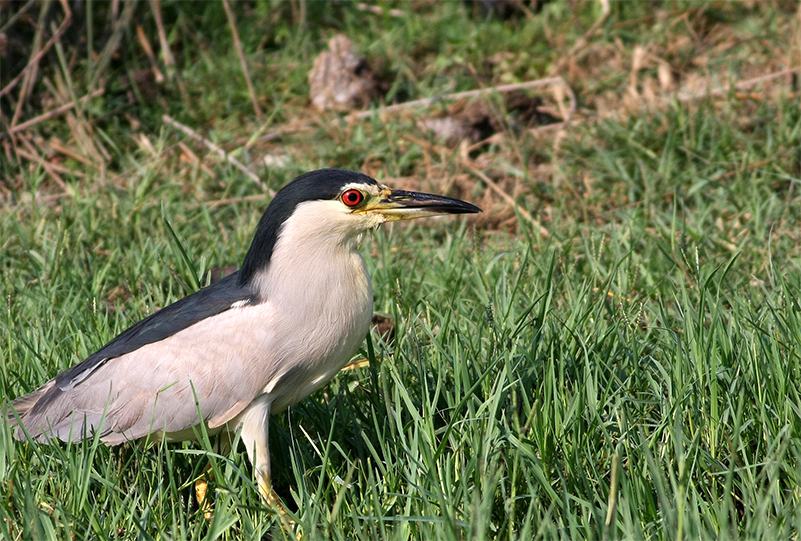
point(352, 197)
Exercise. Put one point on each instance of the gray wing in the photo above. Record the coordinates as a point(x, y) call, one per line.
point(176, 317)
point(75, 402)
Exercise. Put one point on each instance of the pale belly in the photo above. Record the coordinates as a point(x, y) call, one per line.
point(314, 366)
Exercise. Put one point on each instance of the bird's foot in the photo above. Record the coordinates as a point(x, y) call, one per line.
point(267, 492)
point(201, 486)
point(201, 489)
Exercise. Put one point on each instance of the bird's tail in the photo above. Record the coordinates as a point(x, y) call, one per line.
point(19, 408)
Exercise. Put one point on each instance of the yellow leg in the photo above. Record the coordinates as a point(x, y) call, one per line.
point(272, 499)
point(201, 486)
point(254, 422)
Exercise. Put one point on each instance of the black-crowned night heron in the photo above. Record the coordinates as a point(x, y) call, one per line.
point(249, 345)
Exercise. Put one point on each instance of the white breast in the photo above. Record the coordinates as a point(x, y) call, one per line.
point(320, 290)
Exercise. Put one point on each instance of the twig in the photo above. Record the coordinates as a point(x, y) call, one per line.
point(214, 148)
point(16, 16)
point(739, 86)
point(145, 43)
point(426, 102)
point(231, 200)
point(50, 114)
point(166, 53)
point(238, 44)
point(35, 60)
point(33, 156)
point(58, 146)
point(508, 198)
point(30, 75)
point(53, 166)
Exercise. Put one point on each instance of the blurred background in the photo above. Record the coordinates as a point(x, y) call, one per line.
point(98, 92)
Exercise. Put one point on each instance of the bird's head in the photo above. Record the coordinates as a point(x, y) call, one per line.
point(338, 205)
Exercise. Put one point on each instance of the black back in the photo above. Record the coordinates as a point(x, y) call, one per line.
point(206, 302)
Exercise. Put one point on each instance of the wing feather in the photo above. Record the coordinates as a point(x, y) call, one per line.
point(134, 370)
point(209, 301)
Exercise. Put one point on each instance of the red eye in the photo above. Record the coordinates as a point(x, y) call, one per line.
point(352, 197)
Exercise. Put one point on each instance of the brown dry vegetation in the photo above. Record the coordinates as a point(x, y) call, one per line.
point(53, 101)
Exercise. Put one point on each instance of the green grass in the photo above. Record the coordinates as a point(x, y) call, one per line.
point(634, 375)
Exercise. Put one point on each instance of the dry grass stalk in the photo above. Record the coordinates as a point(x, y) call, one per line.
point(145, 43)
point(188, 156)
point(54, 166)
point(34, 61)
point(427, 102)
point(238, 44)
point(33, 156)
point(50, 114)
point(216, 149)
point(113, 43)
point(16, 16)
point(509, 199)
point(59, 147)
point(232, 200)
point(166, 53)
point(741, 85)
point(30, 75)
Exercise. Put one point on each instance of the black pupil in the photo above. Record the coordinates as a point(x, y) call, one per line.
point(352, 197)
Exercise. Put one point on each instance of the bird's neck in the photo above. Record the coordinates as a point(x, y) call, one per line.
point(315, 265)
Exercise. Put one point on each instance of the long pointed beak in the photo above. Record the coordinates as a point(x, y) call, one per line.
point(403, 205)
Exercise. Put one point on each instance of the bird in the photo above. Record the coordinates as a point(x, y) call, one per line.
point(247, 346)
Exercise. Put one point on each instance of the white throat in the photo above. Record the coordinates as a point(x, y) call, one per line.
point(318, 288)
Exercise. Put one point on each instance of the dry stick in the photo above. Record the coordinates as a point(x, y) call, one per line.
point(211, 146)
point(16, 16)
point(508, 198)
point(50, 114)
point(145, 43)
point(53, 39)
point(30, 75)
point(33, 156)
point(231, 200)
point(166, 53)
point(238, 45)
point(740, 86)
point(54, 166)
point(112, 44)
point(472, 93)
